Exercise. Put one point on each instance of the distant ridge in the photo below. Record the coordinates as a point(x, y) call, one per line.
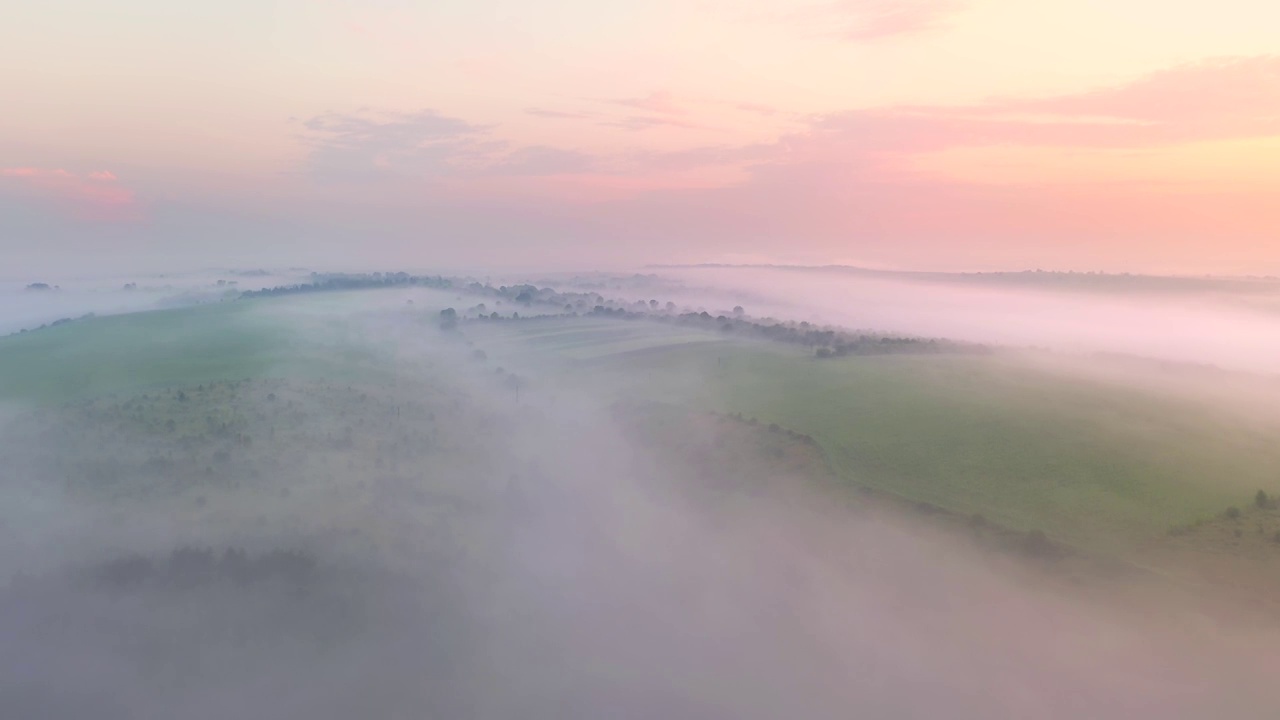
point(1043, 278)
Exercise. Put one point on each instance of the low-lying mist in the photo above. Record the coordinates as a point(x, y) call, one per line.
point(411, 533)
point(42, 300)
point(1231, 324)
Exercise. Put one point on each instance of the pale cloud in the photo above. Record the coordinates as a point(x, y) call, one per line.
point(1221, 99)
point(367, 145)
point(862, 21)
point(661, 103)
point(556, 114)
point(1219, 96)
point(870, 20)
point(423, 145)
point(758, 108)
point(647, 122)
point(1218, 99)
point(96, 196)
point(704, 157)
point(1211, 100)
point(845, 182)
point(543, 161)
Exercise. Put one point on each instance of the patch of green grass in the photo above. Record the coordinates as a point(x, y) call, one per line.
point(124, 352)
point(166, 348)
point(1088, 463)
point(982, 435)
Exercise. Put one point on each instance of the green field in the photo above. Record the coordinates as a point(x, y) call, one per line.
point(1093, 466)
point(1090, 464)
point(163, 348)
point(188, 346)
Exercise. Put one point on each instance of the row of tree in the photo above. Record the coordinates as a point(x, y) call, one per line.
point(827, 342)
point(337, 282)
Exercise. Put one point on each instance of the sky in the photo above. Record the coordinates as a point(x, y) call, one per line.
point(1114, 135)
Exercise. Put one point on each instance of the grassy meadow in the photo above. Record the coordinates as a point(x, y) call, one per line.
point(1091, 465)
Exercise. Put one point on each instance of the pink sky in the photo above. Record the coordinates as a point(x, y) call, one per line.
point(943, 134)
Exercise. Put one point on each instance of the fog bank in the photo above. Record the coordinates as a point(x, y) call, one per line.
point(1234, 329)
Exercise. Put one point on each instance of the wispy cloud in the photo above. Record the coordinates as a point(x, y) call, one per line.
point(386, 146)
point(845, 180)
point(660, 103)
point(854, 20)
point(378, 145)
point(1220, 99)
point(849, 180)
point(870, 20)
point(1216, 96)
point(710, 156)
point(757, 108)
point(556, 114)
point(647, 122)
point(543, 161)
point(95, 196)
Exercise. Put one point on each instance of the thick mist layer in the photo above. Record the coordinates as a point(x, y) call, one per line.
point(44, 300)
point(425, 525)
point(1232, 325)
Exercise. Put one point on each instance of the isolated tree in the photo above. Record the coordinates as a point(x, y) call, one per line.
point(448, 319)
point(1261, 499)
point(737, 310)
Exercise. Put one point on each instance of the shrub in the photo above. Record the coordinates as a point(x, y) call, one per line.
point(1233, 513)
point(1261, 499)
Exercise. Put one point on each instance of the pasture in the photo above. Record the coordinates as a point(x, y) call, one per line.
point(1091, 464)
point(1097, 466)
